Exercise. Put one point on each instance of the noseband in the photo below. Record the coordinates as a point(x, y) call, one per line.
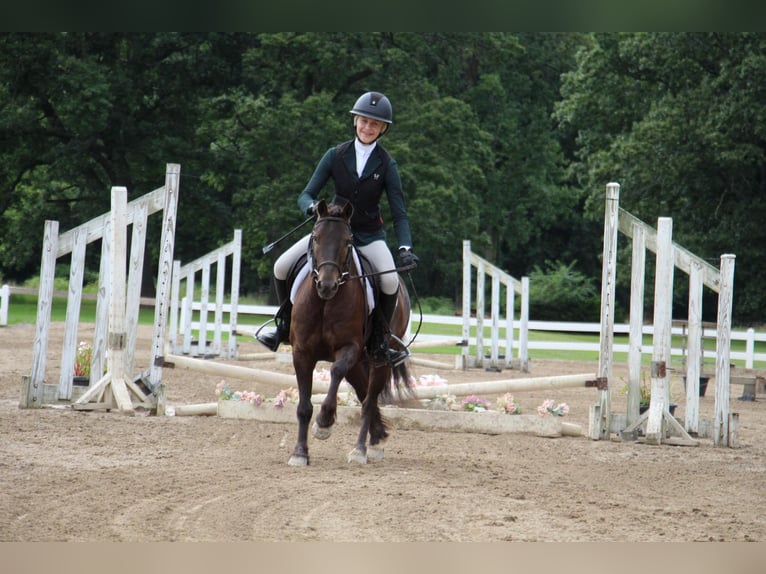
point(317, 266)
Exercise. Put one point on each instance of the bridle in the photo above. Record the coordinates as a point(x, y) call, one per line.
point(342, 271)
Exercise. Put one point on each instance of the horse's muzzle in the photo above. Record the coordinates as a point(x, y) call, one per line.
point(327, 289)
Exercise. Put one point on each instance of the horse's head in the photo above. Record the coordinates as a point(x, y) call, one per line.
point(331, 241)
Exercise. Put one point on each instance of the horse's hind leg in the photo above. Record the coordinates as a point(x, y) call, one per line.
point(372, 421)
point(378, 436)
point(359, 453)
point(378, 429)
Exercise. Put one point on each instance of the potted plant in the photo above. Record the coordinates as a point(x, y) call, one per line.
point(82, 360)
point(645, 397)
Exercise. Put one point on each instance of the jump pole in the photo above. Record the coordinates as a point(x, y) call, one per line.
point(235, 372)
point(496, 387)
point(508, 386)
point(267, 356)
point(226, 370)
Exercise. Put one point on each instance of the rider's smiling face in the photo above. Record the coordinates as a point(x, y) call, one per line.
point(367, 129)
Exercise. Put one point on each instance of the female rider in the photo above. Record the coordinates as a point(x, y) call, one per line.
point(361, 171)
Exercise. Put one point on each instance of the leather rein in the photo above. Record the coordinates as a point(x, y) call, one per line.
point(344, 274)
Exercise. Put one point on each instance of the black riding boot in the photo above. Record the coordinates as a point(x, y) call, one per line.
point(382, 352)
point(272, 339)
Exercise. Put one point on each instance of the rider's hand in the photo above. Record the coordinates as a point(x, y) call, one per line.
point(311, 209)
point(408, 258)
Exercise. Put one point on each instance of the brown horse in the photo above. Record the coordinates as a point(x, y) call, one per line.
point(329, 323)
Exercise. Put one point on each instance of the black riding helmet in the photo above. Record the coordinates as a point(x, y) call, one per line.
point(375, 106)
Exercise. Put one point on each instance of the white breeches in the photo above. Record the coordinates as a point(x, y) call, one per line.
point(377, 252)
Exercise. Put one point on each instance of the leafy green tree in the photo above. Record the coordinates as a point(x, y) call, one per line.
point(678, 121)
point(558, 292)
point(262, 155)
point(444, 177)
point(82, 112)
point(248, 116)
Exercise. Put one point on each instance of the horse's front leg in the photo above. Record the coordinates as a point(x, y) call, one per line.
point(345, 359)
point(304, 373)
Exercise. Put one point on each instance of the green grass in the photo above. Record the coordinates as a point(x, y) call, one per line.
point(23, 309)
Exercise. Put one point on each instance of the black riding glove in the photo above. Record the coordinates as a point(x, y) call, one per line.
point(311, 209)
point(408, 258)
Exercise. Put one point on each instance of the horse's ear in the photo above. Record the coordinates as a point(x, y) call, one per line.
point(322, 208)
point(348, 211)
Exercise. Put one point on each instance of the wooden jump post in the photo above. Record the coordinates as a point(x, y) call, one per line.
point(669, 255)
point(5, 297)
point(117, 303)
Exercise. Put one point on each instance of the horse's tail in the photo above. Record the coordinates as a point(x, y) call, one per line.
point(401, 387)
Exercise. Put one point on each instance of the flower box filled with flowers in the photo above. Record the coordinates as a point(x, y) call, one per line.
point(444, 412)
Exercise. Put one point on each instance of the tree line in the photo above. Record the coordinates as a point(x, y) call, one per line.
point(506, 139)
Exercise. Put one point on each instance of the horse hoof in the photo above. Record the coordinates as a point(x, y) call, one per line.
point(357, 456)
point(375, 452)
point(298, 461)
point(322, 433)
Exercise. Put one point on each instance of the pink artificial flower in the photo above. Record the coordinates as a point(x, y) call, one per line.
point(474, 403)
point(550, 407)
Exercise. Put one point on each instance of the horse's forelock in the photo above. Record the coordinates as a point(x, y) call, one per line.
point(335, 210)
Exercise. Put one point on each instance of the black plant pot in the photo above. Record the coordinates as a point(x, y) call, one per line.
point(703, 385)
point(81, 381)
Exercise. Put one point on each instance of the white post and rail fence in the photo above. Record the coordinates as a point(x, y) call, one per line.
point(750, 357)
